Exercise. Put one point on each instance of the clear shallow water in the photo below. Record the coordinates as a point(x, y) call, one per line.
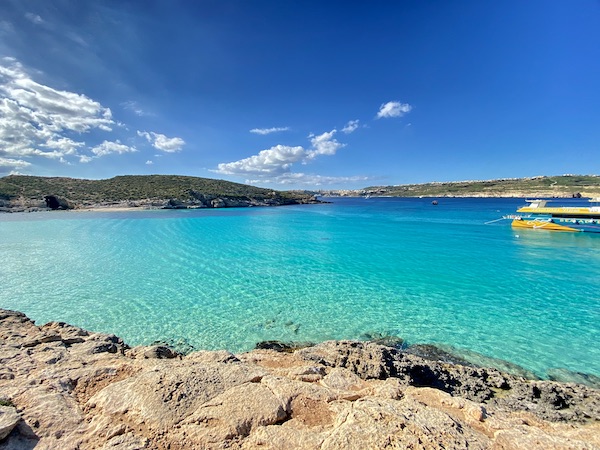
point(230, 278)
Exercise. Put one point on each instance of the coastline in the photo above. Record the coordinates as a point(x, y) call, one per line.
point(65, 387)
point(226, 203)
point(27, 207)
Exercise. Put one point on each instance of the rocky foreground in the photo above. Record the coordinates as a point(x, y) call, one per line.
point(62, 387)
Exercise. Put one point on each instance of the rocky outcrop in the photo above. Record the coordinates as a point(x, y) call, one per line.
point(54, 202)
point(51, 203)
point(69, 388)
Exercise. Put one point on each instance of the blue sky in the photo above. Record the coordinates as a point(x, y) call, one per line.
point(300, 94)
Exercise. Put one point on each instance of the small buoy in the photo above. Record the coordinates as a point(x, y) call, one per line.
point(434, 202)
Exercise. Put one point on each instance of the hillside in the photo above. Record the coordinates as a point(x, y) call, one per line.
point(542, 186)
point(18, 192)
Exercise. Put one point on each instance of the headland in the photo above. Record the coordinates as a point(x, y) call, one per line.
point(19, 193)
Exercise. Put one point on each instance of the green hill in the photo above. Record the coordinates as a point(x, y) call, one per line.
point(139, 190)
point(542, 186)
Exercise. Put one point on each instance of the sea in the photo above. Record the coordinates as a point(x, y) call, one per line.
point(449, 274)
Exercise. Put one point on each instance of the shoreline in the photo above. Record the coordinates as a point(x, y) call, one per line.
point(160, 205)
point(143, 207)
point(65, 387)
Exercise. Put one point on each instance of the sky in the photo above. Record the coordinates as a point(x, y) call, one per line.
point(290, 94)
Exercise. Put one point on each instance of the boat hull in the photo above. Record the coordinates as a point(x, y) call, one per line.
point(590, 226)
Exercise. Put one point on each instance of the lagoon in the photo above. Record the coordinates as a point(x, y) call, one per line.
point(229, 278)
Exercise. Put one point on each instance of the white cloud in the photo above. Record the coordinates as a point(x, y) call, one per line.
point(393, 109)
point(149, 162)
point(324, 144)
point(276, 160)
point(13, 163)
point(64, 145)
point(351, 126)
point(34, 18)
point(307, 179)
point(38, 121)
point(274, 165)
point(135, 108)
point(107, 147)
point(162, 142)
point(268, 130)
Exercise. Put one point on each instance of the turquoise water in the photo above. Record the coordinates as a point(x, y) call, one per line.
point(229, 278)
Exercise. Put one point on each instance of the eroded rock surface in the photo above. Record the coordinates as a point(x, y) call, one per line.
point(73, 389)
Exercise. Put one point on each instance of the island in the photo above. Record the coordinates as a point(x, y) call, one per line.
point(563, 186)
point(32, 193)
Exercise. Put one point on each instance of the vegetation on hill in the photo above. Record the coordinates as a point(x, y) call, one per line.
point(542, 186)
point(31, 190)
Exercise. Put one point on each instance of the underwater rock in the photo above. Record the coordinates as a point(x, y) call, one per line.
point(389, 340)
point(434, 353)
point(452, 355)
point(280, 346)
point(567, 376)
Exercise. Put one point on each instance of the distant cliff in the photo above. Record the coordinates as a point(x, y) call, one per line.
point(542, 186)
point(27, 193)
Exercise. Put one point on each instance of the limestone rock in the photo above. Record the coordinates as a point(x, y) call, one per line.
point(368, 360)
point(159, 352)
point(9, 418)
point(76, 389)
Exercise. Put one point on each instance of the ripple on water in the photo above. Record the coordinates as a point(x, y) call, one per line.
point(232, 278)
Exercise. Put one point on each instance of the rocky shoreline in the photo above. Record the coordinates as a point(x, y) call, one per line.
point(53, 203)
point(68, 388)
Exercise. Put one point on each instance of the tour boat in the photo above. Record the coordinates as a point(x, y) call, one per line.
point(538, 216)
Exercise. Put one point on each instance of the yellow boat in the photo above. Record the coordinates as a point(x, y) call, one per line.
point(559, 218)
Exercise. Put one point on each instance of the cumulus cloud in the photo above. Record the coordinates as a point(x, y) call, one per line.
point(149, 162)
point(107, 147)
point(13, 163)
point(268, 130)
point(162, 142)
point(273, 161)
point(274, 165)
point(40, 121)
point(65, 146)
point(351, 126)
point(393, 109)
point(324, 144)
point(279, 159)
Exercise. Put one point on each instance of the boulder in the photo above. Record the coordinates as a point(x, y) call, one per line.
point(9, 418)
point(160, 352)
